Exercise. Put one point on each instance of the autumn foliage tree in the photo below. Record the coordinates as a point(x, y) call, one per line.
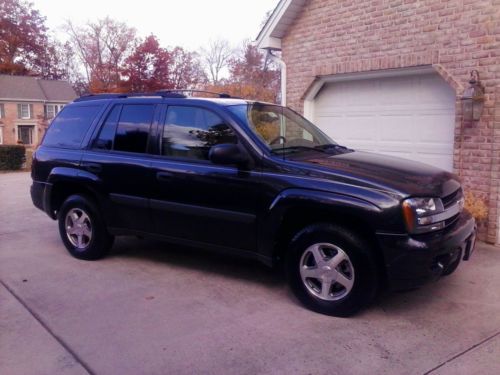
point(151, 67)
point(147, 68)
point(107, 56)
point(250, 77)
point(102, 48)
point(23, 38)
point(186, 70)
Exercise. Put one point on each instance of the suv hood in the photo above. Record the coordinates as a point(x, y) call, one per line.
point(397, 175)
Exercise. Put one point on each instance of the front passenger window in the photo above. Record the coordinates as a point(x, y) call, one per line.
point(189, 132)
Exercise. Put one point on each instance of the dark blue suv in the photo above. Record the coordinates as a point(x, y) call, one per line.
point(253, 179)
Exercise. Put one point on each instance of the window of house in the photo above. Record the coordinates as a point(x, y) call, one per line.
point(69, 128)
point(51, 110)
point(25, 134)
point(25, 111)
point(133, 128)
point(189, 132)
point(1, 135)
point(2, 110)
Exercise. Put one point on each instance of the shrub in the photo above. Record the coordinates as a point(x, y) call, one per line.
point(476, 206)
point(29, 159)
point(12, 157)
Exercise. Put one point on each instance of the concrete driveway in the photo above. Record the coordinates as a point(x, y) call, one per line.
point(154, 308)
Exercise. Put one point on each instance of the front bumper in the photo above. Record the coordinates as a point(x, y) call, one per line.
point(414, 260)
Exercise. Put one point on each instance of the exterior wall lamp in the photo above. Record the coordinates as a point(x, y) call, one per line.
point(473, 98)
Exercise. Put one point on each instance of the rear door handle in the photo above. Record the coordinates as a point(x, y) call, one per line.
point(164, 176)
point(92, 167)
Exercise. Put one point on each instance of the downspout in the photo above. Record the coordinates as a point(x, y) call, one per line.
point(282, 66)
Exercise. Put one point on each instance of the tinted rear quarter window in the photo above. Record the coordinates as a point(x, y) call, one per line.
point(69, 128)
point(133, 128)
point(108, 130)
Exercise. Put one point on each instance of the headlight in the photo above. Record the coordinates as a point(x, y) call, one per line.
point(421, 214)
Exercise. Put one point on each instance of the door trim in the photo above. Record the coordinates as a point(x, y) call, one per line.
point(195, 210)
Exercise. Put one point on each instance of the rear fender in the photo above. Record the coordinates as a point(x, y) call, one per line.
point(82, 180)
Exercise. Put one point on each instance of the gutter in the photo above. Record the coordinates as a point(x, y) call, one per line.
point(282, 66)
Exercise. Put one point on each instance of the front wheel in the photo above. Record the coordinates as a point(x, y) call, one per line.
point(331, 270)
point(82, 229)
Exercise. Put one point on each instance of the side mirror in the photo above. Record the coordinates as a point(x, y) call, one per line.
point(228, 153)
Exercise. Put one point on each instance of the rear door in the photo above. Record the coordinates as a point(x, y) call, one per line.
point(194, 199)
point(119, 157)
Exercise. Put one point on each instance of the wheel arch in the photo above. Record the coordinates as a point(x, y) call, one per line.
point(64, 182)
point(297, 210)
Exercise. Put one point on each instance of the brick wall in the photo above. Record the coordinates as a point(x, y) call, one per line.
point(347, 36)
point(11, 121)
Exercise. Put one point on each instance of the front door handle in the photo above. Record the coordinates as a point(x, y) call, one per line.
point(164, 176)
point(92, 167)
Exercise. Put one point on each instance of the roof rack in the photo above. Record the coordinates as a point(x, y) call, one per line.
point(127, 95)
point(190, 92)
point(170, 93)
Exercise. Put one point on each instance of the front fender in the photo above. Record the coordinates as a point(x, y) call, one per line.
point(373, 207)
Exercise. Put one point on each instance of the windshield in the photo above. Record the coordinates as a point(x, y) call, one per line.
point(280, 128)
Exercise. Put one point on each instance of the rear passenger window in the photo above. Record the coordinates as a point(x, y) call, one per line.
point(108, 130)
point(133, 128)
point(189, 132)
point(69, 128)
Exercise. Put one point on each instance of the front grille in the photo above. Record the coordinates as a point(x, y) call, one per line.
point(452, 198)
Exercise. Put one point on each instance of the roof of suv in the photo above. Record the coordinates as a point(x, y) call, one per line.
point(221, 98)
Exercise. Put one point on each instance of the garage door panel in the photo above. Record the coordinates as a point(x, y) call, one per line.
point(355, 128)
point(431, 127)
point(344, 92)
point(411, 117)
point(392, 128)
point(434, 90)
point(393, 91)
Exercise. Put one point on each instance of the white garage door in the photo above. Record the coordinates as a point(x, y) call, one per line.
point(408, 116)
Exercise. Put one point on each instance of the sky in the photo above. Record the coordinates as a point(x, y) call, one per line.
point(190, 24)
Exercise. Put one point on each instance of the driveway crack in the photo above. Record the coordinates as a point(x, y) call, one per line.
point(47, 328)
point(462, 353)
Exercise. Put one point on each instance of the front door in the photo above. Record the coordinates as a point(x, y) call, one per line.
point(26, 134)
point(194, 199)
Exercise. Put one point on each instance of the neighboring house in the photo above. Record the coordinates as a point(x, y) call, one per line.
point(388, 76)
point(27, 104)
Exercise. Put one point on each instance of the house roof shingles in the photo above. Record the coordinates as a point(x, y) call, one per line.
point(32, 88)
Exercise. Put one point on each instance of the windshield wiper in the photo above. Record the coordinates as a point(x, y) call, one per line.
point(333, 146)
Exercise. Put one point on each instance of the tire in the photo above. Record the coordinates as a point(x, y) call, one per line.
point(82, 228)
point(452, 267)
point(337, 258)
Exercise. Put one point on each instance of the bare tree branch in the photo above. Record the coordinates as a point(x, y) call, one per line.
point(215, 58)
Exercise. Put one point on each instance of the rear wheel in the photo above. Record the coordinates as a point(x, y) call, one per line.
point(331, 270)
point(82, 228)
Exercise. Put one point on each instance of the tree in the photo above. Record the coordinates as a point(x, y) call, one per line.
point(186, 70)
point(58, 62)
point(148, 67)
point(151, 68)
point(250, 76)
point(102, 48)
point(23, 38)
point(215, 58)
